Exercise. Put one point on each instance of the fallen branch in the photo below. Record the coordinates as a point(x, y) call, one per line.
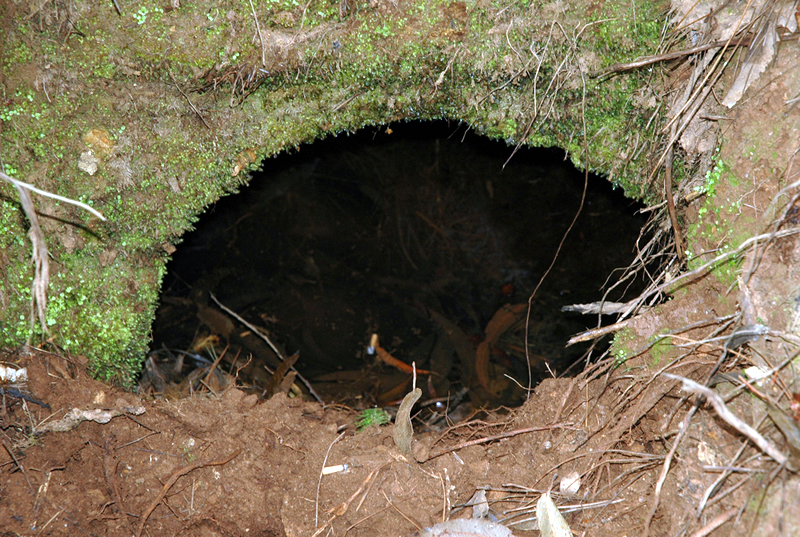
point(597, 332)
point(603, 307)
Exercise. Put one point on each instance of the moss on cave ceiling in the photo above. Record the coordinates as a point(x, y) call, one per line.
point(174, 106)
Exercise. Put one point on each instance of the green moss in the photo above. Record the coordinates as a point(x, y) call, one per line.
point(92, 319)
point(719, 227)
point(661, 347)
point(424, 60)
point(621, 348)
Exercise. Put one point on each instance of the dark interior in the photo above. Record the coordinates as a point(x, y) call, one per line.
point(416, 232)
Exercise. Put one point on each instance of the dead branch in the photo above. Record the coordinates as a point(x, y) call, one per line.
point(21, 469)
point(716, 522)
point(602, 307)
point(597, 332)
point(188, 100)
point(319, 481)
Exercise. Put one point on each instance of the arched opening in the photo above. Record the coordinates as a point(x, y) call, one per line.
point(417, 233)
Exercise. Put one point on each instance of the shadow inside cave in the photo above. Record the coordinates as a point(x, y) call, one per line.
point(417, 233)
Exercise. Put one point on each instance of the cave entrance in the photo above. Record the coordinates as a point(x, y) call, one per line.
point(414, 232)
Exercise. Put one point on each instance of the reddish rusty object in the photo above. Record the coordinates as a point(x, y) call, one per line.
point(795, 406)
point(503, 319)
point(399, 364)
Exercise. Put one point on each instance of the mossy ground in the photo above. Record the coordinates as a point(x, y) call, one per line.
point(192, 98)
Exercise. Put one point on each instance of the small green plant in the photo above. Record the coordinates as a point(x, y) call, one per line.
point(186, 448)
point(372, 417)
point(620, 347)
point(661, 347)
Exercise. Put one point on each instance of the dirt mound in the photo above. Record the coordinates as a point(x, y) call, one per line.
point(230, 464)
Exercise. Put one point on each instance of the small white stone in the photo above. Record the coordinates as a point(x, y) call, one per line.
point(88, 162)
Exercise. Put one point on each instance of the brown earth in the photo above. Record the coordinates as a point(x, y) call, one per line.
point(228, 464)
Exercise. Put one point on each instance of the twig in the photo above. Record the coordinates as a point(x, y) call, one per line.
point(749, 243)
point(342, 509)
point(402, 514)
point(188, 100)
point(260, 37)
point(319, 481)
point(649, 60)
point(604, 307)
point(716, 522)
point(21, 469)
point(52, 518)
point(269, 342)
point(215, 364)
point(665, 469)
point(32, 188)
point(498, 437)
point(730, 418)
point(597, 332)
point(174, 477)
point(673, 215)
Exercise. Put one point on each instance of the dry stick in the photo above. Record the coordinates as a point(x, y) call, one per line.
point(701, 270)
point(716, 522)
point(342, 509)
point(21, 469)
point(649, 60)
point(52, 518)
point(174, 477)
point(215, 364)
point(402, 514)
point(319, 481)
point(260, 37)
point(269, 342)
point(357, 522)
point(188, 100)
point(499, 437)
point(665, 469)
point(693, 100)
point(734, 421)
point(597, 332)
point(673, 215)
point(713, 67)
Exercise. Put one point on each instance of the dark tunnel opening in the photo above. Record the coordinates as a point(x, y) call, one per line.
point(414, 232)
